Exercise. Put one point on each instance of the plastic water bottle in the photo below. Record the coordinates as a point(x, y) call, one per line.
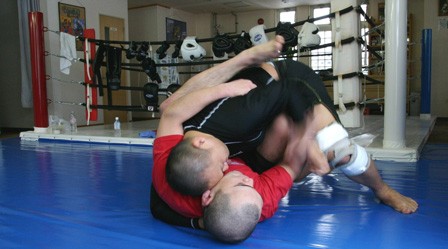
point(73, 123)
point(117, 127)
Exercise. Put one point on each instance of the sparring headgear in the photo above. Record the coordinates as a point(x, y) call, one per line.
point(257, 35)
point(308, 36)
point(289, 33)
point(242, 43)
point(191, 50)
point(222, 44)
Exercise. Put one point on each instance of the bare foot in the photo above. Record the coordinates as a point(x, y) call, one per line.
point(396, 200)
point(263, 52)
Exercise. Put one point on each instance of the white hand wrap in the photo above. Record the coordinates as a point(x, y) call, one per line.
point(335, 138)
point(359, 161)
point(330, 135)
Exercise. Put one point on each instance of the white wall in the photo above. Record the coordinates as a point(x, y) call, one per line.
point(57, 91)
point(12, 114)
point(245, 21)
point(439, 75)
point(149, 24)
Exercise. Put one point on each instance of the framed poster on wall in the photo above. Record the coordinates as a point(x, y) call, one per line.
point(443, 7)
point(72, 20)
point(175, 30)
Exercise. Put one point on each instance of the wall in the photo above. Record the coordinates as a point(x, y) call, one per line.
point(12, 114)
point(425, 16)
point(58, 91)
point(141, 28)
point(414, 7)
point(439, 75)
point(149, 24)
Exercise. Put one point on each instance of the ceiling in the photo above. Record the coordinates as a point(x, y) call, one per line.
point(223, 6)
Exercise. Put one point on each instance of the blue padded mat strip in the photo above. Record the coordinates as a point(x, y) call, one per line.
point(80, 195)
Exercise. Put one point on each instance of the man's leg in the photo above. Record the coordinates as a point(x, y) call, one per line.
point(370, 178)
point(222, 72)
point(276, 138)
point(383, 192)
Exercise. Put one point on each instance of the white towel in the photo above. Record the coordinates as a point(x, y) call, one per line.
point(68, 51)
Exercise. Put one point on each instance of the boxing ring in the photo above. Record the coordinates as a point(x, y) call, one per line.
point(61, 194)
point(90, 189)
point(102, 54)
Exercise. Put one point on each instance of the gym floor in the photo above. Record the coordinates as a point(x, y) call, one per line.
point(71, 194)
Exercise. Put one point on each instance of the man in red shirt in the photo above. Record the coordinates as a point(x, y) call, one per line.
point(268, 185)
point(272, 184)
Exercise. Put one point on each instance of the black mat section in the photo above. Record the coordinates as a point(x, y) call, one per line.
point(439, 135)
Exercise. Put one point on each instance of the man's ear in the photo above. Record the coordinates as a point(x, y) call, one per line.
point(207, 198)
point(197, 142)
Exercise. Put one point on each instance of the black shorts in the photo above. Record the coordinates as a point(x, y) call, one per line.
point(241, 122)
point(299, 72)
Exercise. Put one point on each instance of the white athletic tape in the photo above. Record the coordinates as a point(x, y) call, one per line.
point(330, 135)
point(341, 149)
point(341, 95)
point(335, 138)
point(359, 162)
point(364, 139)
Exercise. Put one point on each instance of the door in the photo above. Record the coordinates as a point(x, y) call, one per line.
point(112, 28)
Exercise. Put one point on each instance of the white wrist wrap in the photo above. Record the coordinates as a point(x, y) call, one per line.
point(359, 162)
point(335, 138)
point(330, 135)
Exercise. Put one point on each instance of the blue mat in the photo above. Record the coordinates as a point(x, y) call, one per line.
point(80, 195)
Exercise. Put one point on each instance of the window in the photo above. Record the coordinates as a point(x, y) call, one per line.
point(364, 53)
point(321, 59)
point(364, 35)
point(288, 16)
point(321, 11)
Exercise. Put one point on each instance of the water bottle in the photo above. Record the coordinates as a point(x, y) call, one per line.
point(117, 127)
point(73, 124)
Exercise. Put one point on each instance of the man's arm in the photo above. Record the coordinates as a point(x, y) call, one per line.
point(160, 210)
point(188, 105)
point(224, 71)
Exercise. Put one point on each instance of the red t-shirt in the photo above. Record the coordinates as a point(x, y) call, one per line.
point(272, 184)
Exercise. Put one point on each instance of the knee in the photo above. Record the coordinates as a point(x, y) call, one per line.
point(282, 126)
